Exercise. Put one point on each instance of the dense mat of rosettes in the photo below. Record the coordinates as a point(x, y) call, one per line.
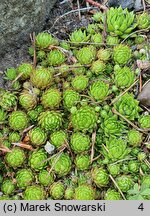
point(61, 136)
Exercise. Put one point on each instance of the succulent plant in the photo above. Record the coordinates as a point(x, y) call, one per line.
point(4, 197)
point(24, 70)
point(78, 69)
point(128, 106)
point(34, 192)
point(134, 137)
point(92, 28)
point(143, 20)
point(61, 165)
point(27, 100)
point(34, 113)
point(66, 124)
point(16, 85)
point(114, 169)
point(124, 182)
point(79, 142)
point(41, 78)
point(65, 45)
point(8, 187)
point(70, 98)
point(8, 100)
point(100, 177)
point(99, 90)
point(98, 67)
point(139, 39)
point(18, 120)
point(86, 55)
point(84, 192)
point(111, 40)
point(104, 54)
point(15, 158)
point(122, 54)
point(57, 190)
point(50, 120)
point(3, 116)
point(84, 118)
point(55, 58)
point(112, 126)
point(112, 194)
point(6, 143)
point(44, 40)
point(78, 36)
point(117, 149)
point(41, 54)
point(97, 39)
point(141, 156)
point(58, 138)
point(37, 159)
point(98, 16)
point(45, 178)
point(80, 82)
point(37, 136)
point(124, 77)
point(64, 69)
point(14, 137)
point(10, 74)
point(69, 193)
point(133, 166)
point(51, 98)
point(120, 21)
point(82, 162)
point(144, 121)
point(24, 178)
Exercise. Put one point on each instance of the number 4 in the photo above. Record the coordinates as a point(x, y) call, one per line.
point(141, 207)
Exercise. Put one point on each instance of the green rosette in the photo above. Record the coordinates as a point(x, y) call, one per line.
point(84, 119)
point(37, 159)
point(41, 77)
point(24, 178)
point(51, 98)
point(84, 192)
point(15, 158)
point(34, 192)
point(18, 120)
point(50, 120)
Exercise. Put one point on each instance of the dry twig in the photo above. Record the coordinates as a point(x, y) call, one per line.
point(137, 31)
point(144, 5)
point(78, 3)
point(56, 160)
point(27, 129)
point(140, 79)
point(4, 149)
point(23, 145)
point(115, 183)
point(103, 7)
point(93, 145)
point(113, 101)
point(129, 122)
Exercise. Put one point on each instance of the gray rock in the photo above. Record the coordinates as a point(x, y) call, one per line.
point(18, 19)
point(144, 96)
point(130, 4)
point(123, 3)
point(138, 5)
